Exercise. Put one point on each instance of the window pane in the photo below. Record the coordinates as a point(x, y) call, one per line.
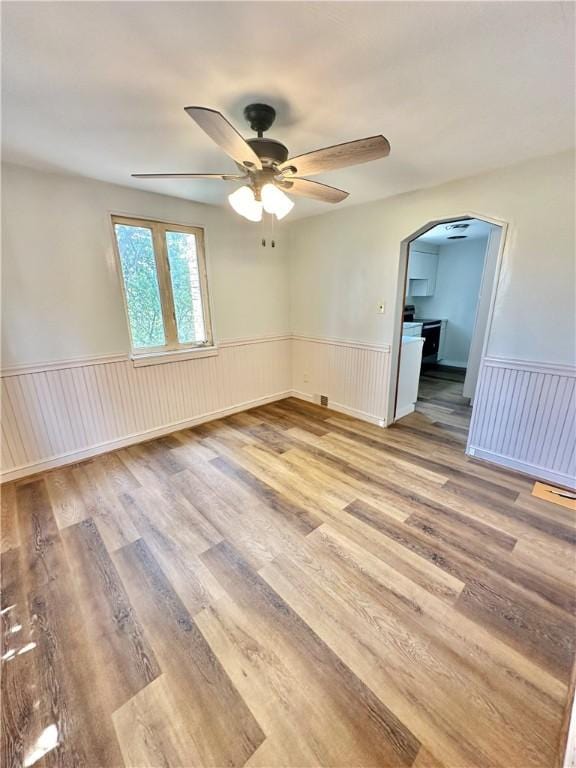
point(185, 277)
point(136, 249)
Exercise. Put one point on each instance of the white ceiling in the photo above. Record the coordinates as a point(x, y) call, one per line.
point(438, 235)
point(458, 88)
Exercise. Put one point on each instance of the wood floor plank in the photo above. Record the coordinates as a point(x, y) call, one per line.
point(320, 498)
point(152, 731)
point(350, 484)
point(381, 648)
point(118, 476)
point(411, 450)
point(172, 510)
point(122, 649)
point(9, 536)
point(288, 587)
point(234, 511)
point(302, 520)
point(526, 621)
point(549, 526)
point(541, 552)
point(275, 440)
point(65, 497)
point(67, 686)
point(425, 759)
point(39, 536)
point(401, 471)
point(264, 674)
point(475, 548)
point(191, 452)
point(289, 419)
point(402, 497)
point(174, 549)
point(100, 501)
point(365, 724)
point(402, 596)
point(220, 728)
point(22, 722)
point(423, 573)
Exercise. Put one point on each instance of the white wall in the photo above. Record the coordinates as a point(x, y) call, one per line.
point(455, 298)
point(344, 263)
point(61, 296)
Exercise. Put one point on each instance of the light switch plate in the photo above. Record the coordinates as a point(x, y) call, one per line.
point(381, 308)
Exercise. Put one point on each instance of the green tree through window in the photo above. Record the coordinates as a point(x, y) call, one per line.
point(136, 249)
point(164, 283)
point(185, 279)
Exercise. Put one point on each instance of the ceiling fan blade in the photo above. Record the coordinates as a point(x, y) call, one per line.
point(338, 156)
point(225, 135)
point(217, 176)
point(313, 189)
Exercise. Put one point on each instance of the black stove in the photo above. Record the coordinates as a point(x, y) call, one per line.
point(431, 328)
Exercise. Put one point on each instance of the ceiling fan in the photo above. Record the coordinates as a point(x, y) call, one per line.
point(266, 168)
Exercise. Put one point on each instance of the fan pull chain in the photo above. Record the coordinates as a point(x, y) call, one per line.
point(272, 240)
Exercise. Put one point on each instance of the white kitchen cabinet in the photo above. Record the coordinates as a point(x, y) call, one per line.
point(422, 268)
point(442, 344)
point(409, 375)
point(411, 329)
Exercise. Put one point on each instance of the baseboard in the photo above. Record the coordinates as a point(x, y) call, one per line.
point(361, 415)
point(73, 457)
point(532, 470)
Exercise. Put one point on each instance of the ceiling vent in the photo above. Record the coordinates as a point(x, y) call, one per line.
point(459, 229)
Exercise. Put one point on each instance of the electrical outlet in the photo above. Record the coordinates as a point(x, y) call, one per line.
point(306, 378)
point(381, 308)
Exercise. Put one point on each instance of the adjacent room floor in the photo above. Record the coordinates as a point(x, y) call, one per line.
point(440, 398)
point(286, 587)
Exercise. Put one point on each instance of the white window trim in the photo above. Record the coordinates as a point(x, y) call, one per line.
point(173, 355)
point(173, 350)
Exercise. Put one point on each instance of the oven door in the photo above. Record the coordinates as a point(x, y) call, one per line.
point(431, 335)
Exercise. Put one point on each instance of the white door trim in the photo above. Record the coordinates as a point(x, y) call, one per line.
point(401, 292)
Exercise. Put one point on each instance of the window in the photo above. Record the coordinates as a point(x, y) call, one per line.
point(164, 278)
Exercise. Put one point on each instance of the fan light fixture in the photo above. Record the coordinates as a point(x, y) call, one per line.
point(275, 201)
point(266, 168)
point(244, 202)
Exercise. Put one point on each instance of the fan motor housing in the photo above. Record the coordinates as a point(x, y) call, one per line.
point(269, 151)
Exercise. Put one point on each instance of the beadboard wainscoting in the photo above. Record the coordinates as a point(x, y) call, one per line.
point(523, 418)
point(354, 376)
point(59, 413)
point(64, 412)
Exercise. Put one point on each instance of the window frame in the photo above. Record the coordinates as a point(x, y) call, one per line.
point(172, 349)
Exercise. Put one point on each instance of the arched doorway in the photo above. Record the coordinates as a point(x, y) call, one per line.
point(484, 307)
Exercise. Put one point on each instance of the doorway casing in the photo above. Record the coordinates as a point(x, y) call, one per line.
point(401, 293)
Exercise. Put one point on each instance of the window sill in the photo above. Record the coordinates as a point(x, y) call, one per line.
point(173, 356)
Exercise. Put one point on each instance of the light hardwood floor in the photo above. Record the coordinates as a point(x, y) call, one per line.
point(286, 587)
point(440, 398)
